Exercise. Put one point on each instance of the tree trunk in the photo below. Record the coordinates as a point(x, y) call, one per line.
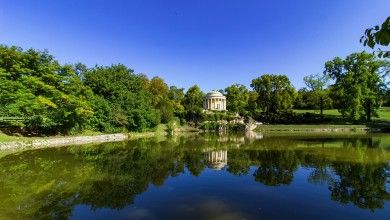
point(368, 111)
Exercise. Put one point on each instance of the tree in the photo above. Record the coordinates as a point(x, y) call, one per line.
point(130, 102)
point(237, 98)
point(252, 106)
point(359, 83)
point(378, 35)
point(303, 99)
point(161, 101)
point(176, 95)
point(275, 92)
point(193, 102)
point(48, 97)
point(317, 85)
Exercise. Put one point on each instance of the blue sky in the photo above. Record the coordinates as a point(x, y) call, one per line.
point(212, 43)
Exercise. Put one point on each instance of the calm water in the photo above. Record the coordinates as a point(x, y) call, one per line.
point(202, 177)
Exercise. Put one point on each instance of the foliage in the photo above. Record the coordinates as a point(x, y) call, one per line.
point(130, 104)
point(252, 106)
point(316, 95)
point(275, 92)
point(237, 98)
point(210, 126)
point(172, 125)
point(161, 99)
point(51, 98)
point(359, 83)
point(39, 96)
point(378, 35)
point(176, 95)
point(193, 102)
point(216, 116)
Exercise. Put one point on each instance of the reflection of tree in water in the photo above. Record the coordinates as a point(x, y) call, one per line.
point(320, 175)
point(362, 142)
point(239, 162)
point(49, 183)
point(275, 167)
point(364, 185)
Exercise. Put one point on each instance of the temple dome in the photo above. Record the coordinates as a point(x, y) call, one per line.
point(214, 93)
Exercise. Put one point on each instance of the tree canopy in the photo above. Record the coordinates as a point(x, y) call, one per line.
point(359, 83)
point(237, 98)
point(318, 94)
point(44, 94)
point(40, 96)
point(275, 92)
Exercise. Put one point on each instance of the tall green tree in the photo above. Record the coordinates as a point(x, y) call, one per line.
point(161, 100)
point(275, 92)
point(317, 85)
point(252, 106)
point(359, 83)
point(130, 102)
point(176, 95)
point(237, 98)
point(193, 102)
point(50, 98)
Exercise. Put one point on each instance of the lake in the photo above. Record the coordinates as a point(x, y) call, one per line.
point(202, 177)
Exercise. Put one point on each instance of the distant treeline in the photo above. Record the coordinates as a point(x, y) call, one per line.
point(38, 95)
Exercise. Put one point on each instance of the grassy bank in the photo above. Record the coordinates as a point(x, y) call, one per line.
point(383, 113)
point(311, 128)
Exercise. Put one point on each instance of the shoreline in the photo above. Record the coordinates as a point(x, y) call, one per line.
point(13, 143)
point(35, 143)
point(23, 143)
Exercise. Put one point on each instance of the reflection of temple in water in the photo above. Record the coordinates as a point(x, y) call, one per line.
point(253, 135)
point(216, 159)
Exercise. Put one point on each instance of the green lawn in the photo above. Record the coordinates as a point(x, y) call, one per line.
point(310, 128)
point(384, 112)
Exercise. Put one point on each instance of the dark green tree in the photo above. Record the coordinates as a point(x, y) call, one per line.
point(359, 83)
point(48, 97)
point(161, 100)
point(193, 102)
point(275, 93)
point(237, 98)
point(176, 95)
point(131, 103)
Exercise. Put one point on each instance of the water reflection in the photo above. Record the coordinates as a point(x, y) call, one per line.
point(50, 183)
point(216, 159)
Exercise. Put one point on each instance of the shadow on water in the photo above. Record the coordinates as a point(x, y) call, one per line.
point(50, 183)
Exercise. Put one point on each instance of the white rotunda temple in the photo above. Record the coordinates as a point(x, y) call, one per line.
point(215, 101)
